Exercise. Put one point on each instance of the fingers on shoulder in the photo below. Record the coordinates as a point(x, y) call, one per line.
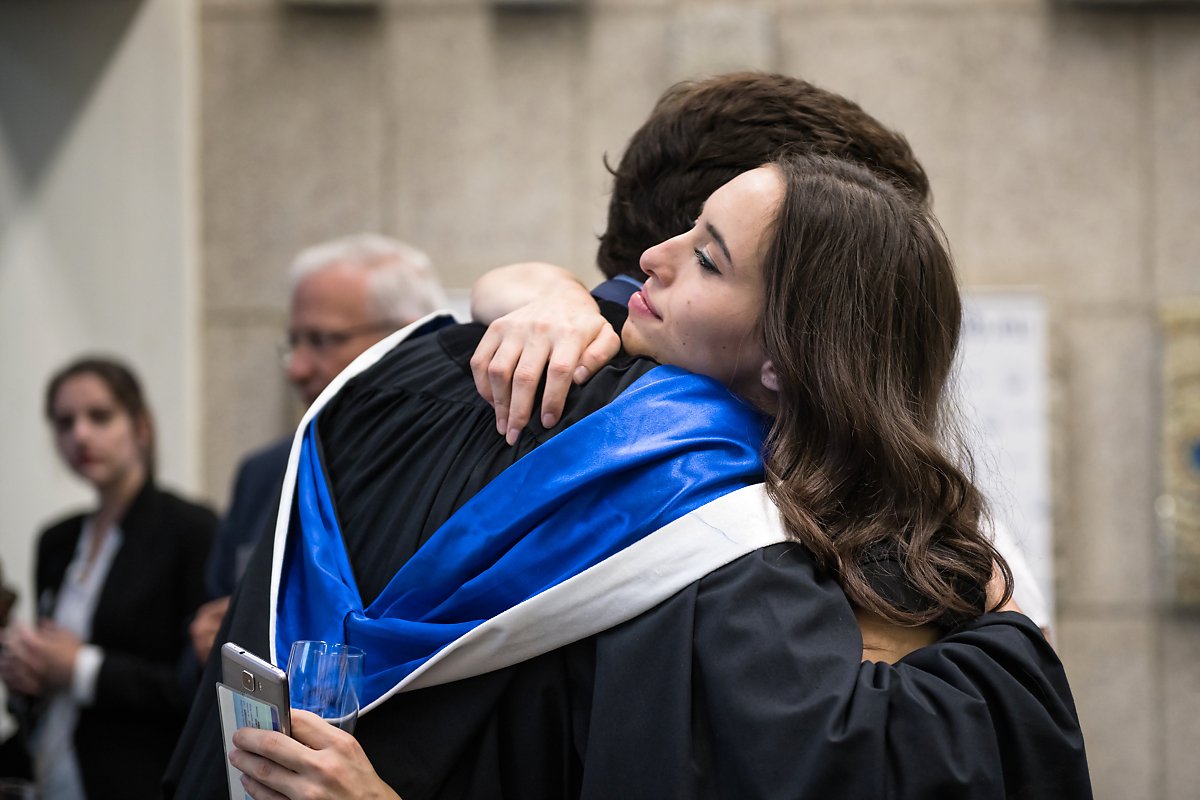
point(599, 352)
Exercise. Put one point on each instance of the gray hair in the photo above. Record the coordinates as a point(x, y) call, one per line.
point(401, 282)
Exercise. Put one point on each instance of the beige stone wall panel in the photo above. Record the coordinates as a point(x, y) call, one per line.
point(261, 6)
point(1110, 662)
point(291, 145)
point(625, 6)
point(903, 69)
point(481, 131)
point(1181, 709)
point(1107, 545)
point(1054, 186)
point(712, 38)
point(1175, 45)
point(914, 7)
point(336, 7)
point(249, 402)
point(624, 72)
point(483, 6)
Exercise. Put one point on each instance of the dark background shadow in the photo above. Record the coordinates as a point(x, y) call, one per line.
point(52, 53)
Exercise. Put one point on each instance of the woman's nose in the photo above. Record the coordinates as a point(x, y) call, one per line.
point(656, 261)
point(81, 429)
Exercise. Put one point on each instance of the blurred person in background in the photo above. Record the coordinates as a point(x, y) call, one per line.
point(346, 295)
point(14, 760)
point(99, 675)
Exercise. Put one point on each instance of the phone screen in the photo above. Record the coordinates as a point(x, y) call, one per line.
point(249, 712)
point(242, 711)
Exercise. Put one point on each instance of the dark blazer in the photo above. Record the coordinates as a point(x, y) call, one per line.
point(251, 513)
point(124, 739)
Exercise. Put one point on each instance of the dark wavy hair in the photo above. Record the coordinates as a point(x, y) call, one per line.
point(125, 388)
point(702, 134)
point(861, 322)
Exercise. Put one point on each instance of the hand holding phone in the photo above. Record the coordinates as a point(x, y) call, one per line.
point(253, 694)
point(260, 682)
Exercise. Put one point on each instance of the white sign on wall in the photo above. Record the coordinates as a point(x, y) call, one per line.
point(1004, 397)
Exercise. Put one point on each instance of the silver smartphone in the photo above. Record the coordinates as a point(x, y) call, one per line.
point(258, 680)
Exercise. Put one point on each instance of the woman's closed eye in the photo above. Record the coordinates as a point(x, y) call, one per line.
point(706, 263)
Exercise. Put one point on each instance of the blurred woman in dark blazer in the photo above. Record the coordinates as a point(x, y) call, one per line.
point(101, 671)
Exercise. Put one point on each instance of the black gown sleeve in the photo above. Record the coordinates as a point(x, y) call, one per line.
point(197, 766)
point(748, 685)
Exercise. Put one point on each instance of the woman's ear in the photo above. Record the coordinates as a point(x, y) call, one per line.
point(768, 377)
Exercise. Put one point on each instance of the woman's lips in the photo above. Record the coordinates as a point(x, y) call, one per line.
point(640, 303)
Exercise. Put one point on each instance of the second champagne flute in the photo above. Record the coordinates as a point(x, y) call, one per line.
point(326, 679)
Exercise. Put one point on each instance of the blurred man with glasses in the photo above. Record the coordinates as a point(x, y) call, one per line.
point(346, 295)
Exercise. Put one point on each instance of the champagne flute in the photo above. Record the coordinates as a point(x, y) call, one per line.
point(326, 679)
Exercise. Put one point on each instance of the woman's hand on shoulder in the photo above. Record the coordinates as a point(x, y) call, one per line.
point(319, 762)
point(558, 330)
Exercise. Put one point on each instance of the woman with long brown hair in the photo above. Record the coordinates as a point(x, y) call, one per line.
point(861, 325)
point(100, 672)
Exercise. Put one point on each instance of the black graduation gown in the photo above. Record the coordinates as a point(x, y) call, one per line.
point(746, 684)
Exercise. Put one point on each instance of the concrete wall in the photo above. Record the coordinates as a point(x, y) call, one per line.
point(97, 229)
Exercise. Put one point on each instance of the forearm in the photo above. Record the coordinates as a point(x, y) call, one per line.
point(541, 320)
point(508, 288)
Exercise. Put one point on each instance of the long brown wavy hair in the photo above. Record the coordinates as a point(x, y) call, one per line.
point(861, 322)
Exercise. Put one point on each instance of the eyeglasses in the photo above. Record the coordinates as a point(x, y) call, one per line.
point(321, 342)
